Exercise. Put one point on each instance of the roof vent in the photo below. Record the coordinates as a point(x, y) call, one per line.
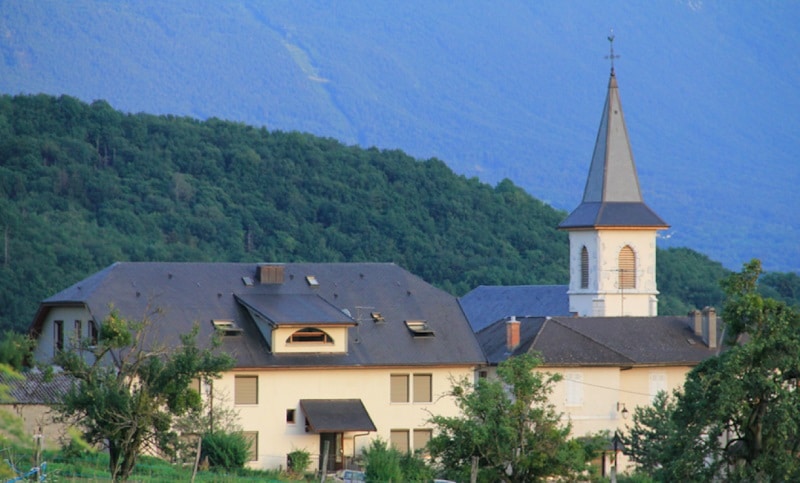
point(270, 273)
point(419, 328)
point(226, 327)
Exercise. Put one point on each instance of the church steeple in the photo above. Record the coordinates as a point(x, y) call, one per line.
point(612, 232)
point(612, 196)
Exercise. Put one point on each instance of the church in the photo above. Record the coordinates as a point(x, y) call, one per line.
point(602, 332)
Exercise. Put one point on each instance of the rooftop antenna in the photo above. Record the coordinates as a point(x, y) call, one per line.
point(611, 55)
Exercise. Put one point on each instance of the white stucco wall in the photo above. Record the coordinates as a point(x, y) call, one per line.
point(603, 297)
point(279, 390)
point(45, 346)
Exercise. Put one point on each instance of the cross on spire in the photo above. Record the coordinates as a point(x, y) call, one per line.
point(611, 55)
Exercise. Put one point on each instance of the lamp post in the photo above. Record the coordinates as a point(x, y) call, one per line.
point(617, 443)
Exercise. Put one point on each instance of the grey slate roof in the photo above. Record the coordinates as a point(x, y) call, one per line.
point(601, 341)
point(32, 388)
point(176, 295)
point(612, 197)
point(336, 415)
point(487, 303)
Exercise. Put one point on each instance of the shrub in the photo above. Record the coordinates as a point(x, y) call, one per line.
point(225, 450)
point(298, 461)
point(382, 462)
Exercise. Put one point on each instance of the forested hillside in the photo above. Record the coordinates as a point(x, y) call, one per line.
point(511, 89)
point(84, 186)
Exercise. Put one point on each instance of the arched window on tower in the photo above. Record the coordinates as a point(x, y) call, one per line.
point(584, 267)
point(627, 267)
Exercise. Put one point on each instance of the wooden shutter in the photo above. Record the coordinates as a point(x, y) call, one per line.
point(422, 388)
point(252, 439)
point(421, 438)
point(584, 268)
point(627, 267)
point(245, 390)
point(399, 440)
point(399, 388)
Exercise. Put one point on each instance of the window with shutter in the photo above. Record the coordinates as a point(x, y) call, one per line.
point(399, 388)
point(422, 388)
point(421, 438)
point(574, 381)
point(627, 267)
point(245, 390)
point(584, 268)
point(252, 440)
point(398, 438)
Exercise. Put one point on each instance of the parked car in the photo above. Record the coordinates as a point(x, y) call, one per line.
point(350, 476)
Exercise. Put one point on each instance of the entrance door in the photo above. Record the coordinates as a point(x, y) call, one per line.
point(335, 451)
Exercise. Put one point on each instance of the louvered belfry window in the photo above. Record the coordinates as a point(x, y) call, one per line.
point(627, 267)
point(584, 268)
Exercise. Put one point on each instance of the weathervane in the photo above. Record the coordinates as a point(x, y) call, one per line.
point(612, 56)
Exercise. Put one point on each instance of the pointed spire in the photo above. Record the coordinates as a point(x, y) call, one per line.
point(612, 196)
point(612, 175)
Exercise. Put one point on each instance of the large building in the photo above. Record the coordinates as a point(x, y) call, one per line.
point(327, 355)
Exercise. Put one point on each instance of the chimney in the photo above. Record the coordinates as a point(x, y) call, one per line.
point(710, 327)
point(512, 333)
point(270, 273)
point(697, 319)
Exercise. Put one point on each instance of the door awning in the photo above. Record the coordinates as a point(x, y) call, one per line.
point(336, 415)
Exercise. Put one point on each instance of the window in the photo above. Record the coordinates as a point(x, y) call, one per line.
point(78, 332)
point(310, 335)
point(245, 390)
point(252, 439)
point(398, 438)
point(58, 335)
point(419, 328)
point(627, 267)
point(574, 383)
point(290, 416)
point(584, 268)
point(399, 388)
point(658, 383)
point(92, 332)
point(421, 438)
point(422, 388)
point(226, 327)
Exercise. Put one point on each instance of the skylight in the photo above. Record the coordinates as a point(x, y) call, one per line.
point(227, 327)
point(312, 280)
point(420, 328)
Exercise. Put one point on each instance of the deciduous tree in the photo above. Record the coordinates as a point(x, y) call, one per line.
point(509, 425)
point(738, 416)
point(127, 391)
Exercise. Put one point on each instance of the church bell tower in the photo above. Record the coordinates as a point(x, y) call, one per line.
point(612, 233)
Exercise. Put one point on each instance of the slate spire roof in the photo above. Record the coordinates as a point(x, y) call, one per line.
point(612, 197)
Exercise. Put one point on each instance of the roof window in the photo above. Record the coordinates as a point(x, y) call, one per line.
point(227, 327)
point(312, 281)
point(420, 328)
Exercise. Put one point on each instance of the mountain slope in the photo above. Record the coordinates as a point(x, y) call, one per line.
point(510, 89)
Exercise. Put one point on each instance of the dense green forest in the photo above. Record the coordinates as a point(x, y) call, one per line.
point(84, 186)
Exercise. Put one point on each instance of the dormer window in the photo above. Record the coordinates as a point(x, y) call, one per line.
point(309, 334)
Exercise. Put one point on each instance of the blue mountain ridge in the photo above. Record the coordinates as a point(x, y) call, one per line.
point(508, 89)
